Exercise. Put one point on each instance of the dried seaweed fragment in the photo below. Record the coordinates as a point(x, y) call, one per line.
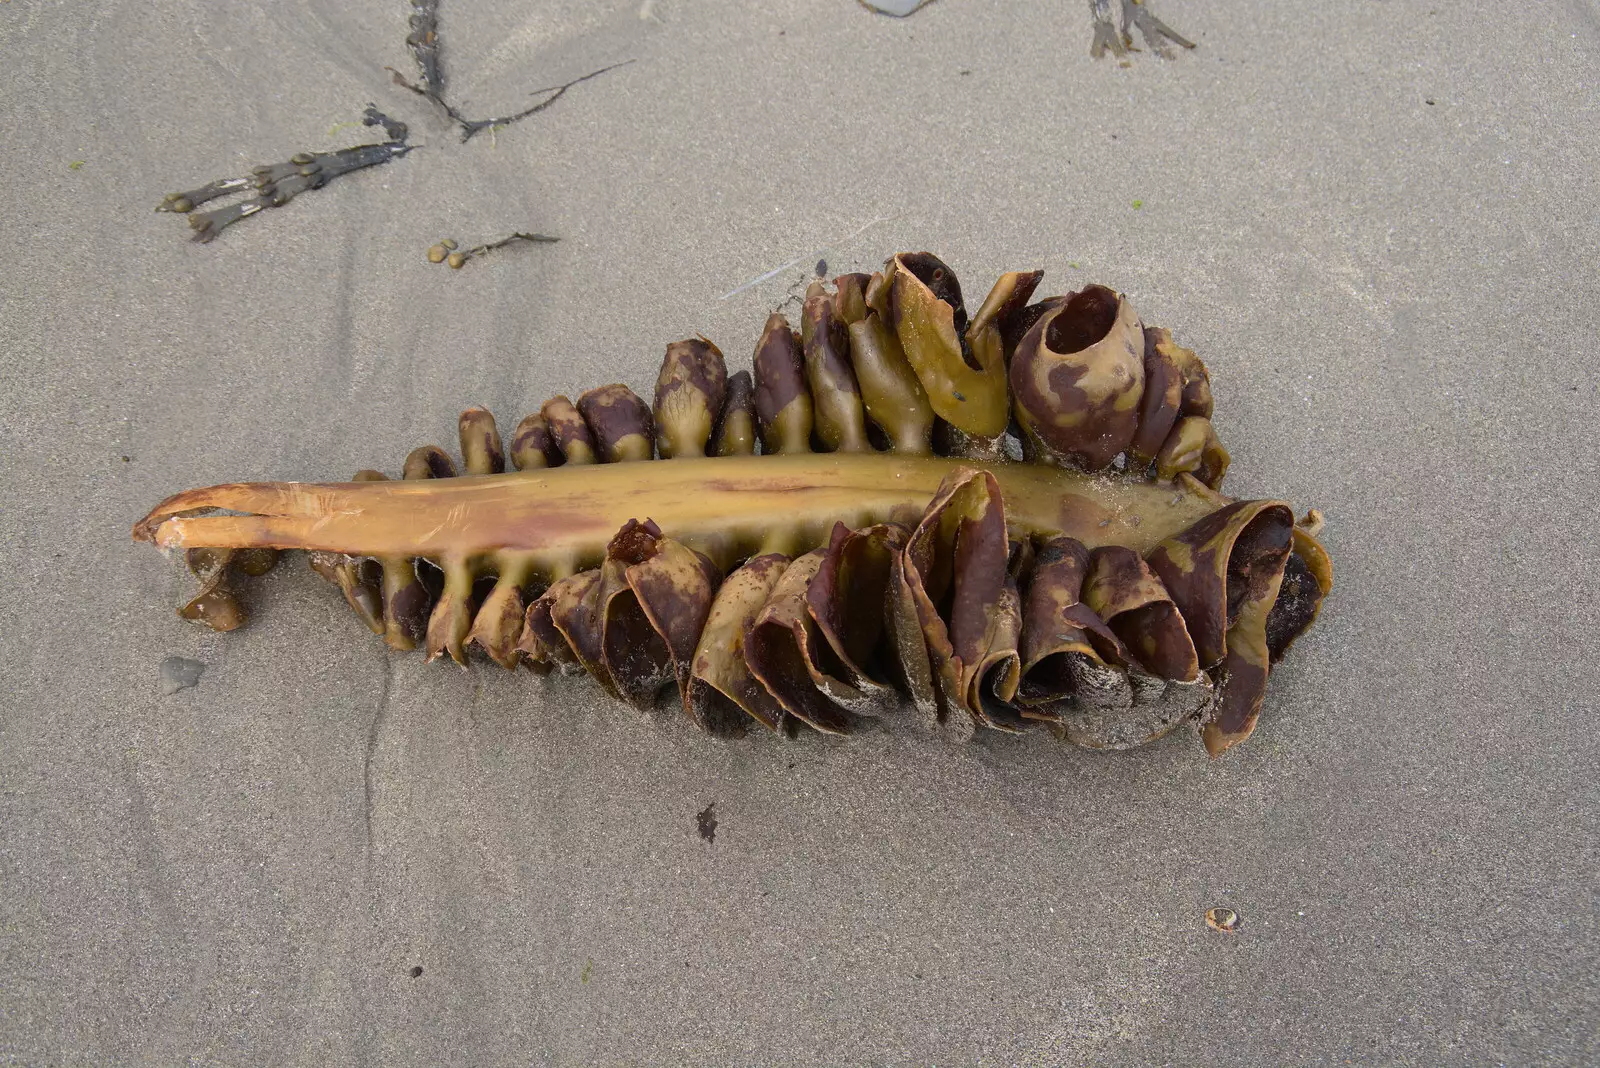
point(276, 184)
point(1078, 378)
point(1156, 33)
point(859, 561)
point(1119, 42)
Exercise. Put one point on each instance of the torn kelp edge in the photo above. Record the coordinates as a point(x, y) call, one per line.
point(278, 183)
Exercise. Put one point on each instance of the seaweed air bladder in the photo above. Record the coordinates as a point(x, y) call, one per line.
point(1010, 519)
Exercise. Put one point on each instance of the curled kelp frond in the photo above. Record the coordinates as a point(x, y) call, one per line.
point(924, 307)
point(1078, 377)
point(219, 570)
point(873, 559)
point(1224, 573)
point(722, 688)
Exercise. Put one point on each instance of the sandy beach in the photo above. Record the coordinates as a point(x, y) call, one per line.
point(1374, 221)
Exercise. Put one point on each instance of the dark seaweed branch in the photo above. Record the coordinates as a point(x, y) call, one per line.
point(472, 127)
point(556, 91)
point(424, 44)
point(446, 251)
point(423, 41)
point(274, 185)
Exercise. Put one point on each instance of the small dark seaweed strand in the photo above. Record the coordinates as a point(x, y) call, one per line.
point(394, 129)
point(474, 126)
point(405, 83)
point(459, 259)
point(423, 40)
point(504, 241)
point(471, 127)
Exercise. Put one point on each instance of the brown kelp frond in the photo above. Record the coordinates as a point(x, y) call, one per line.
point(893, 396)
point(1122, 590)
point(1079, 675)
point(825, 342)
point(837, 532)
point(846, 599)
point(690, 393)
point(956, 574)
point(784, 652)
point(1192, 448)
point(675, 587)
point(782, 400)
point(1078, 377)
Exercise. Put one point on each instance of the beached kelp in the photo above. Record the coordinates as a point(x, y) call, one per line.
point(999, 521)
